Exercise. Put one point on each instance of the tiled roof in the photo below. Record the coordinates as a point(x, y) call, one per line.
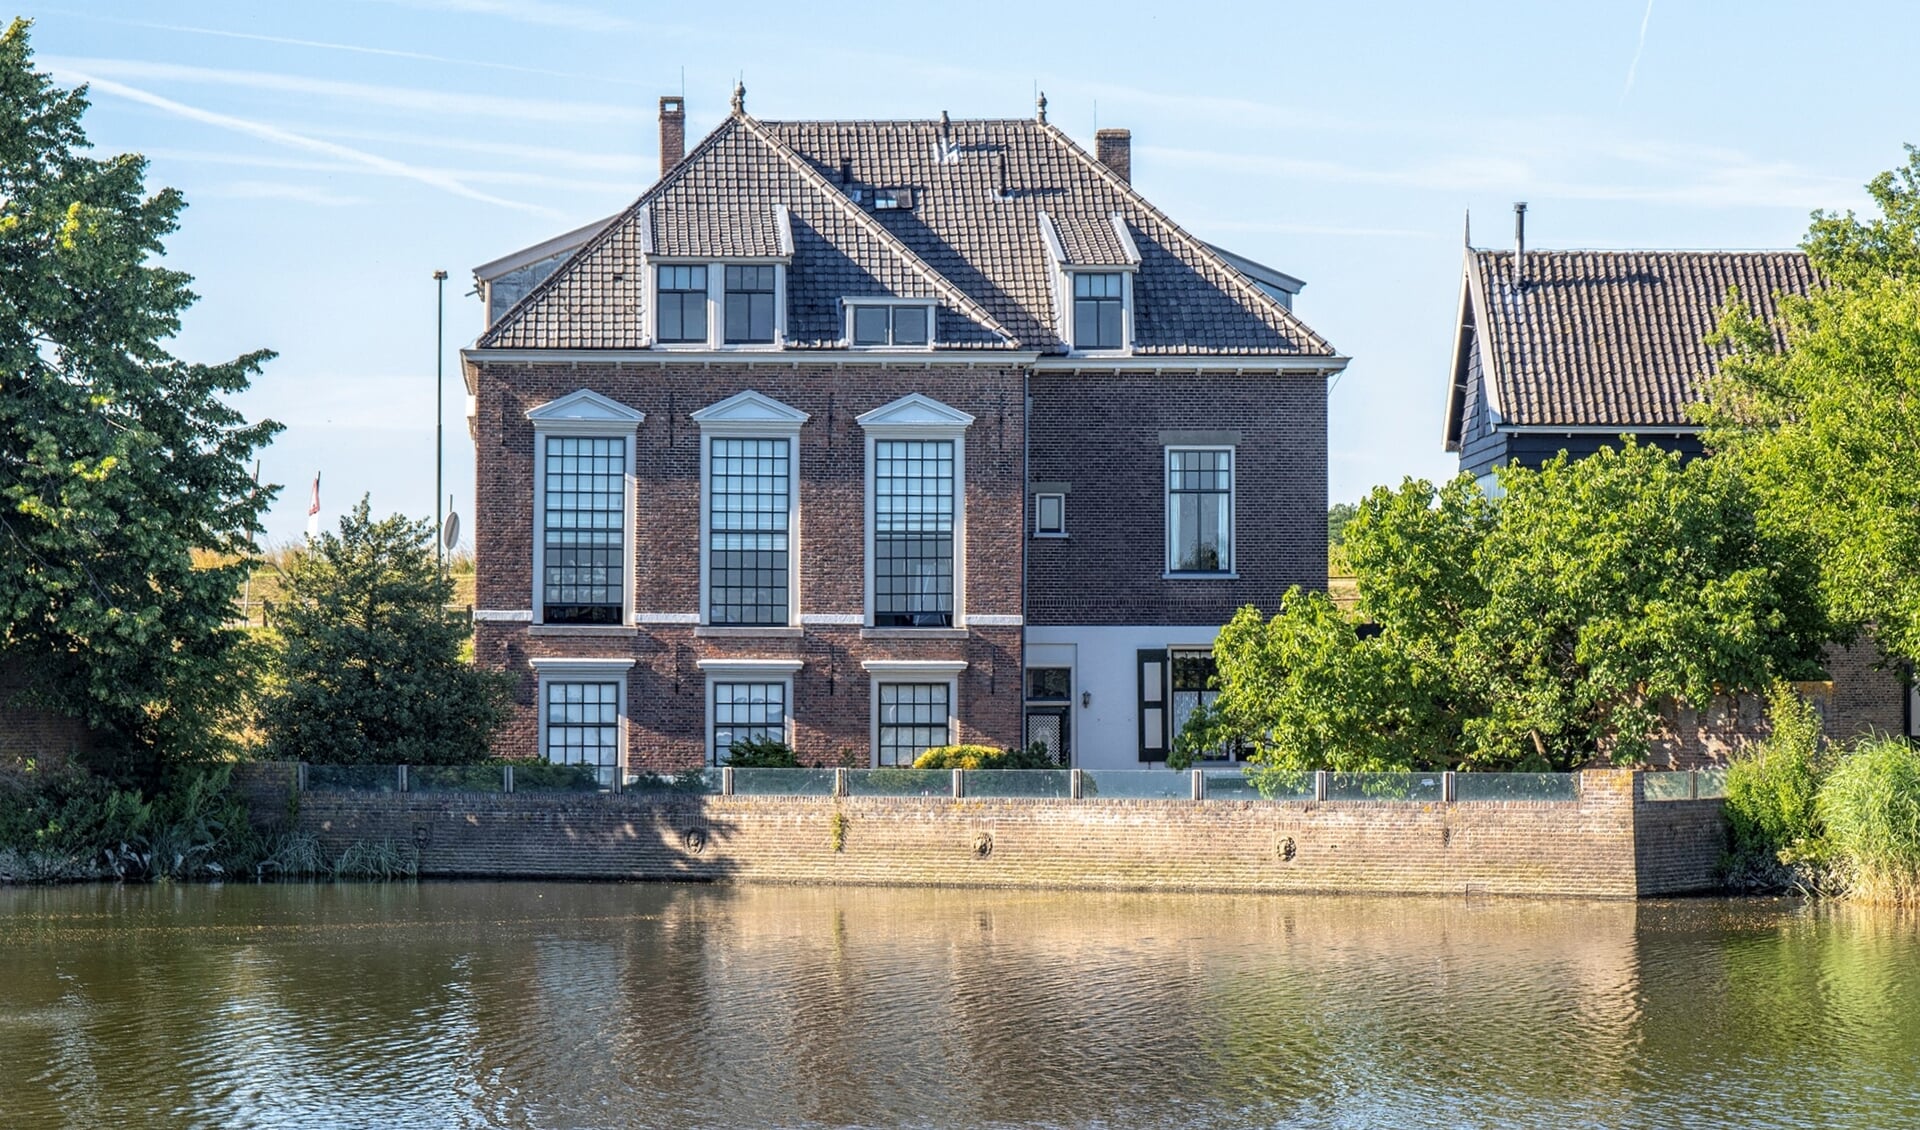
point(1091, 241)
point(1598, 338)
point(971, 240)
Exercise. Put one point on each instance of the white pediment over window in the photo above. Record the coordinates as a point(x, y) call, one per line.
point(750, 411)
point(585, 411)
point(915, 412)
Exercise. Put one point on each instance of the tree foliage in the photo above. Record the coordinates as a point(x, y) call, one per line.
point(371, 669)
point(117, 460)
point(1822, 411)
point(1535, 631)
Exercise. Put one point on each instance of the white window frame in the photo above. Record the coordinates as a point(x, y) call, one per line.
point(717, 303)
point(1041, 531)
point(719, 671)
point(586, 414)
point(916, 416)
point(911, 671)
point(1232, 571)
point(1125, 348)
point(570, 670)
point(847, 306)
point(750, 415)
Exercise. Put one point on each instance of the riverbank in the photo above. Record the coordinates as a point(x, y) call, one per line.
point(1609, 841)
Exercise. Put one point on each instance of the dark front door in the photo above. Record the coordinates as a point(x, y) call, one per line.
point(1048, 726)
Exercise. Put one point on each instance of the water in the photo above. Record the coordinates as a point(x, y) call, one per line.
point(549, 1005)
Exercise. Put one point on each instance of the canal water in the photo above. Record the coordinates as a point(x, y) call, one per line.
point(560, 1005)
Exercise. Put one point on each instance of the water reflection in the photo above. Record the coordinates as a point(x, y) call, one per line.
point(550, 1005)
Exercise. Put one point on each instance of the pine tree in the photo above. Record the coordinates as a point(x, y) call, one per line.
point(371, 670)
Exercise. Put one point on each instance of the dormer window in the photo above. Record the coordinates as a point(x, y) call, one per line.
point(749, 305)
point(883, 325)
point(890, 199)
point(1097, 302)
point(683, 304)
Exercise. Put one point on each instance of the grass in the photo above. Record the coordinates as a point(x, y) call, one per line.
point(1870, 806)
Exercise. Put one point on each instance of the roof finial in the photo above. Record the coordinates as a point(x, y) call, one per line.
point(1466, 233)
point(1040, 104)
point(739, 97)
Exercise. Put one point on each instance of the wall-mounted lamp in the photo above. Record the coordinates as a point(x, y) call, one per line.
point(1086, 699)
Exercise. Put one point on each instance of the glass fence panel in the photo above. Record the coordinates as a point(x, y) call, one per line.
point(900, 782)
point(1055, 784)
point(1666, 786)
point(546, 777)
point(453, 778)
point(1713, 784)
point(353, 778)
point(1259, 784)
point(783, 782)
point(1384, 786)
point(1516, 786)
point(1135, 784)
point(692, 782)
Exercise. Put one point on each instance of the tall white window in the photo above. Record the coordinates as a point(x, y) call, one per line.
point(682, 300)
point(749, 304)
point(583, 504)
point(749, 516)
point(747, 712)
point(749, 503)
point(914, 718)
point(583, 714)
point(916, 515)
point(1097, 306)
point(1199, 510)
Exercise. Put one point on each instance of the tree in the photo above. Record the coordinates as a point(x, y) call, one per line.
point(117, 460)
point(1532, 632)
point(1338, 515)
point(371, 668)
point(1822, 411)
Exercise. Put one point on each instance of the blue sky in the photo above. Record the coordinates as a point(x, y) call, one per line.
point(336, 154)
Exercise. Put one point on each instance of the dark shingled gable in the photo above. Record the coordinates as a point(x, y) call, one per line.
point(1604, 338)
point(971, 241)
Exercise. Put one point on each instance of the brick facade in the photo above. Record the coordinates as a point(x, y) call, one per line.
point(1103, 436)
point(666, 692)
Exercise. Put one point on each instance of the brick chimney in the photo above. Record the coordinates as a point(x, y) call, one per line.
point(1114, 148)
point(673, 132)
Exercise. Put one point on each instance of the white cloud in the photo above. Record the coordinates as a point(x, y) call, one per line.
point(277, 190)
point(537, 12)
point(279, 136)
point(455, 103)
point(465, 176)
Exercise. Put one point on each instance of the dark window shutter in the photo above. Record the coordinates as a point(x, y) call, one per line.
point(1153, 704)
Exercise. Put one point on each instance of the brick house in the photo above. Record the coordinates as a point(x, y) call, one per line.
point(874, 436)
point(1572, 350)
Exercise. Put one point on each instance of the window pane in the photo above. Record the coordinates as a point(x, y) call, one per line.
point(910, 325)
point(1051, 684)
point(749, 485)
point(1050, 517)
point(749, 305)
point(583, 726)
point(1200, 511)
point(682, 299)
point(583, 531)
point(869, 325)
point(747, 712)
point(913, 549)
point(913, 719)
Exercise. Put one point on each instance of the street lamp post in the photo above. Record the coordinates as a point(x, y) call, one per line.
point(439, 419)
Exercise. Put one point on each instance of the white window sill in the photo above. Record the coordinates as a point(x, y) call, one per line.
point(583, 630)
point(769, 631)
point(913, 633)
point(1172, 576)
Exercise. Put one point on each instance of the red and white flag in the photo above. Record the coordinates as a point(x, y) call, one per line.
point(313, 509)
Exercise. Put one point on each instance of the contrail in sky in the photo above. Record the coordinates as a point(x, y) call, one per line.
point(1642, 46)
point(300, 141)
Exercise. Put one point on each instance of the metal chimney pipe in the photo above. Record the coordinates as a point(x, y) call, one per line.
point(1519, 243)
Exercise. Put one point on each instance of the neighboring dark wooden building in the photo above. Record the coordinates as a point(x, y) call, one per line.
point(1587, 346)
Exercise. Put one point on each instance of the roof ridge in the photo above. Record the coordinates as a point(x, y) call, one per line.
point(620, 220)
point(892, 242)
point(1643, 250)
point(1261, 298)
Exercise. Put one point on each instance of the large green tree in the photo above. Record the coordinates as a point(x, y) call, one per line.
point(371, 669)
point(117, 459)
point(1822, 411)
point(1536, 630)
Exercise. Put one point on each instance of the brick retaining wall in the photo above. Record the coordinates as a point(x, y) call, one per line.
point(1607, 844)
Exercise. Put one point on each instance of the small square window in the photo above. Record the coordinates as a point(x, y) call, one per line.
point(870, 325)
point(910, 325)
point(1050, 515)
point(1049, 684)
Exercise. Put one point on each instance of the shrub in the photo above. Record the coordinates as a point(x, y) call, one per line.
point(1870, 806)
point(762, 753)
point(1773, 821)
point(986, 757)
